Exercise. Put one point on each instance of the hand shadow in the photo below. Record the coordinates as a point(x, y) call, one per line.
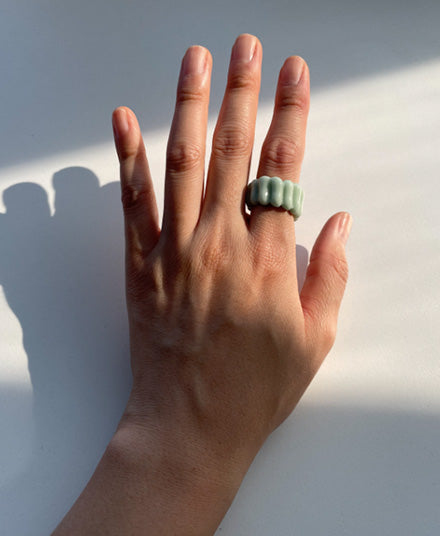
point(62, 276)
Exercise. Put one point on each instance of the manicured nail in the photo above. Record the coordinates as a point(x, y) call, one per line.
point(244, 48)
point(292, 71)
point(344, 226)
point(194, 61)
point(120, 123)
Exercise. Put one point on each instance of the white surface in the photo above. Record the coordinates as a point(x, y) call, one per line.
point(361, 453)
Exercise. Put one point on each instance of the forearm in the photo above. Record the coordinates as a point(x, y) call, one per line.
point(143, 486)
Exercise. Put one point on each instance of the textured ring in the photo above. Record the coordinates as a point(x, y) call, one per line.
point(277, 193)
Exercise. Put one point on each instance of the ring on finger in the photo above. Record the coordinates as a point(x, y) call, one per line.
point(273, 191)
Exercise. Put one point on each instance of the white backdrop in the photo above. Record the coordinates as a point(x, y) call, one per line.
point(361, 453)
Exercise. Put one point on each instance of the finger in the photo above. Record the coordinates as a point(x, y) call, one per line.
point(186, 145)
point(138, 199)
point(325, 282)
point(283, 149)
point(234, 133)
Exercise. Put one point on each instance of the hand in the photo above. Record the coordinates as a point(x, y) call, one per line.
point(223, 345)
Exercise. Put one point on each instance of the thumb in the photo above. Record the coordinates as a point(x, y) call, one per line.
point(325, 282)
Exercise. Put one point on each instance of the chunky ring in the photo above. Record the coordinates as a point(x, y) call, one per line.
point(276, 192)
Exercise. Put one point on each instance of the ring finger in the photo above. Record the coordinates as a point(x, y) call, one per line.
point(283, 149)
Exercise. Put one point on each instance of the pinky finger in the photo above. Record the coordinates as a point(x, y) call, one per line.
point(137, 191)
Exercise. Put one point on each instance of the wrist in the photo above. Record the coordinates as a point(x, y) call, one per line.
point(146, 484)
point(188, 489)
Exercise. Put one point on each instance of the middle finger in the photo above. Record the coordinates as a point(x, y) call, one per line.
point(234, 132)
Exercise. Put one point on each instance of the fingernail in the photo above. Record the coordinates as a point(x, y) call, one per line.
point(194, 61)
point(244, 48)
point(292, 71)
point(344, 227)
point(120, 123)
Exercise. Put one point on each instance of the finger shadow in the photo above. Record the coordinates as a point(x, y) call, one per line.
point(62, 276)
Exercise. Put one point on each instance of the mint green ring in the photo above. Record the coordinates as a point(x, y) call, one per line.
point(277, 193)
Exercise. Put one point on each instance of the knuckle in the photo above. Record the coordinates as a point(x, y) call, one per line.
point(136, 287)
point(133, 197)
point(311, 305)
point(334, 267)
point(322, 329)
point(190, 92)
point(144, 286)
point(270, 256)
point(232, 141)
point(339, 266)
point(129, 150)
point(215, 251)
point(242, 81)
point(296, 101)
point(183, 156)
point(282, 151)
point(214, 258)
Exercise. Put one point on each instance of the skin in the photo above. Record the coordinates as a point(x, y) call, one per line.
point(223, 344)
